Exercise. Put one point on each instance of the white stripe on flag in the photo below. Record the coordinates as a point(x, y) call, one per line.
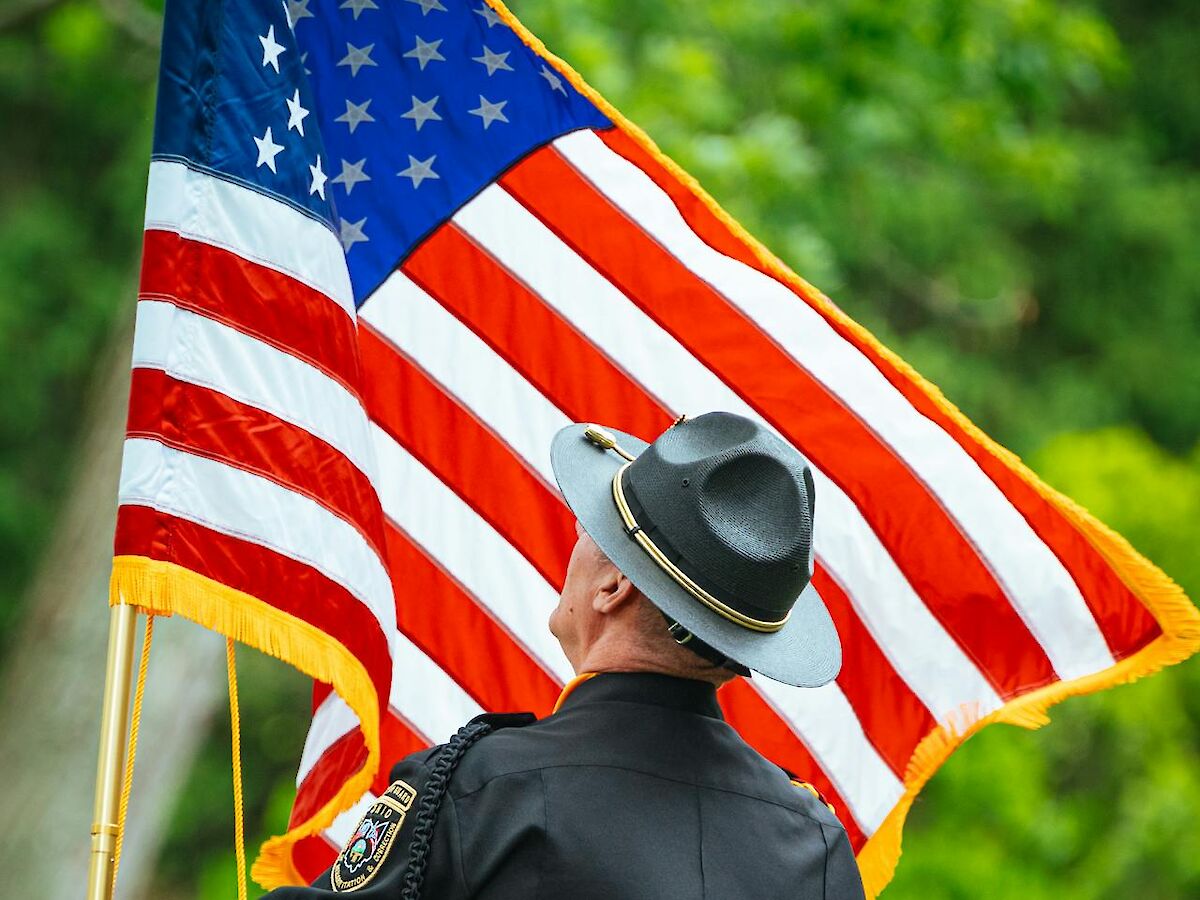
point(1038, 586)
point(901, 623)
point(482, 561)
point(203, 351)
point(247, 506)
point(332, 720)
point(843, 751)
point(441, 345)
point(425, 695)
point(255, 226)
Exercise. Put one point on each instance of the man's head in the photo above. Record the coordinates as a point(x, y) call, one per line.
point(713, 521)
point(604, 623)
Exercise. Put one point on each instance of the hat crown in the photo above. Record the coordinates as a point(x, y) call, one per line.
point(736, 505)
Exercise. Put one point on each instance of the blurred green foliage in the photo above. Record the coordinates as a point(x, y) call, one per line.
point(1005, 191)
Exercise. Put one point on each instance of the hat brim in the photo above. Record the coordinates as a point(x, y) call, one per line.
point(806, 652)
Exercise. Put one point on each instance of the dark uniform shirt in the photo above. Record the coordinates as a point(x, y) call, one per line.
point(636, 788)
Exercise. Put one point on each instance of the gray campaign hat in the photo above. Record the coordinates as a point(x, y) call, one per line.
point(713, 523)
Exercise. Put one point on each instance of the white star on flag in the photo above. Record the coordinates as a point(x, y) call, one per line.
point(267, 150)
point(489, 112)
point(489, 15)
point(357, 6)
point(553, 80)
point(427, 5)
point(357, 57)
point(296, 10)
point(352, 174)
point(422, 111)
point(425, 52)
point(356, 114)
point(419, 170)
point(318, 179)
point(493, 61)
point(271, 49)
point(296, 113)
point(352, 233)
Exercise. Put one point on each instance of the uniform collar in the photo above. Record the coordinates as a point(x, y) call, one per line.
point(648, 688)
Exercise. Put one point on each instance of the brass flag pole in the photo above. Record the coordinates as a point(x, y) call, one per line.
point(114, 734)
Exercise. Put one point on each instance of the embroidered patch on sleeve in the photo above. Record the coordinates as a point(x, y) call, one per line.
point(369, 846)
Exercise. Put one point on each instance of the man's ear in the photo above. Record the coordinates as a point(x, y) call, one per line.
point(614, 591)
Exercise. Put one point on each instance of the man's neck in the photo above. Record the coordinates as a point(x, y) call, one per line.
point(623, 656)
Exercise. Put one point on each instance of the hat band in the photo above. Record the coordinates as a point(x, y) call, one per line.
point(677, 574)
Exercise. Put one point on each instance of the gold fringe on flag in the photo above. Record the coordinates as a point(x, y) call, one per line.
point(1180, 623)
point(164, 588)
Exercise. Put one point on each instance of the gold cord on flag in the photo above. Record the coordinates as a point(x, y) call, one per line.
point(235, 729)
point(134, 723)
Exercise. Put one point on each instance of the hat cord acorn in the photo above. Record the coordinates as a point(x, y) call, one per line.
point(605, 441)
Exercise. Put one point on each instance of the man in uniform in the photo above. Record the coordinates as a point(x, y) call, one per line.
point(692, 567)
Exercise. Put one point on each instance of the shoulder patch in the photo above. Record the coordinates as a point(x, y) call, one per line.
point(373, 839)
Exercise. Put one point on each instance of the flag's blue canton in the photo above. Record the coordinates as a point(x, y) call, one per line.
point(422, 103)
point(381, 117)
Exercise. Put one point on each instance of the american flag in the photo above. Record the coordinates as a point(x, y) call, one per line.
point(391, 248)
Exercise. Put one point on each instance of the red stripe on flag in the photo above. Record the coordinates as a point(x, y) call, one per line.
point(453, 629)
point(893, 718)
point(312, 856)
point(211, 424)
point(467, 456)
point(321, 690)
point(398, 738)
point(341, 758)
point(760, 725)
point(546, 350)
point(279, 581)
point(974, 608)
point(1124, 621)
point(254, 299)
point(489, 299)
